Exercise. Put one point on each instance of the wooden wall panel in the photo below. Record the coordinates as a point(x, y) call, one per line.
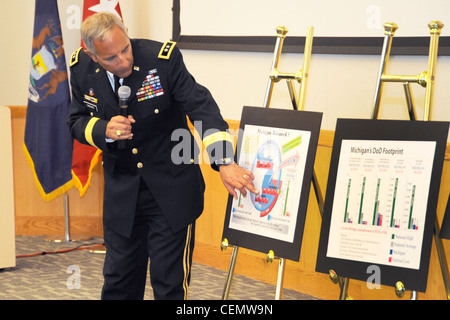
point(36, 217)
point(33, 215)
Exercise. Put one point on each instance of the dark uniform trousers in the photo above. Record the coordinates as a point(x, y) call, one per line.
point(126, 260)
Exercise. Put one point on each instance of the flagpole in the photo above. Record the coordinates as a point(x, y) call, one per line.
point(67, 237)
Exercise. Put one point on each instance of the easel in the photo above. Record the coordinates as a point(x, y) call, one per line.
point(298, 104)
point(425, 79)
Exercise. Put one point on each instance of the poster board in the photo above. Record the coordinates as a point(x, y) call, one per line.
point(278, 147)
point(381, 200)
point(445, 228)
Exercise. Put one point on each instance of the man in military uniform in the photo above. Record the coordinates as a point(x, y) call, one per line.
point(151, 202)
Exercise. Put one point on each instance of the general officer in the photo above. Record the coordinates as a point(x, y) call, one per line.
point(151, 202)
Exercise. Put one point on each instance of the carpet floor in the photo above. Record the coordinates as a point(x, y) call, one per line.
point(75, 273)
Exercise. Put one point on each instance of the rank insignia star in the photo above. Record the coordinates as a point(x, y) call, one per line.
point(166, 50)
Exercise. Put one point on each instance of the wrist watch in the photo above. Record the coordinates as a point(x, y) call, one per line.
point(223, 161)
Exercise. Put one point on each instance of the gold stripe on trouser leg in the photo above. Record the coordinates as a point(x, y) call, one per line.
point(186, 264)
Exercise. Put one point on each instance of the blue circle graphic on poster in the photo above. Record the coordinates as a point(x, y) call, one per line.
point(266, 168)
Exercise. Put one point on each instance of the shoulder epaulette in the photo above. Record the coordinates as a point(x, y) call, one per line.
point(166, 50)
point(74, 57)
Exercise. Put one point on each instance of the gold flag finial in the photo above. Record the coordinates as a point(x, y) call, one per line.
point(390, 28)
point(435, 27)
point(282, 31)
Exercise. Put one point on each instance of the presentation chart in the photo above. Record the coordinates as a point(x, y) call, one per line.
point(279, 147)
point(277, 159)
point(380, 201)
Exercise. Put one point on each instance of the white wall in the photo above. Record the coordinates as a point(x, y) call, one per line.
point(349, 18)
point(340, 86)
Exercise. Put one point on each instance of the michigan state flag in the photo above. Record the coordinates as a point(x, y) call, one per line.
point(48, 145)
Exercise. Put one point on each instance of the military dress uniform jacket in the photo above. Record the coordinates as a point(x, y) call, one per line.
point(163, 93)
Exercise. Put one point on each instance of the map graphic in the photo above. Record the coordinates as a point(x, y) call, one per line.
point(277, 159)
point(268, 165)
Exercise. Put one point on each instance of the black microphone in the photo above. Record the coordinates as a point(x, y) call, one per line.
point(123, 93)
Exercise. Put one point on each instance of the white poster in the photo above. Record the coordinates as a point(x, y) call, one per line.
point(380, 201)
point(277, 158)
point(350, 18)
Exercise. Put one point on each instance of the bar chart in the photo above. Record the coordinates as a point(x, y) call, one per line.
point(374, 207)
point(380, 201)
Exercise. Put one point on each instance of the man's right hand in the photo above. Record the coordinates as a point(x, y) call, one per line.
point(119, 128)
point(234, 177)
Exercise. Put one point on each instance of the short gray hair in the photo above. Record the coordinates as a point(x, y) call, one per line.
point(98, 27)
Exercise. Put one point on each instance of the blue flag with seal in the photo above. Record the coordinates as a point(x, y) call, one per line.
point(48, 144)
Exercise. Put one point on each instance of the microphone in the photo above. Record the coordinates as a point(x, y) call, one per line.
point(124, 93)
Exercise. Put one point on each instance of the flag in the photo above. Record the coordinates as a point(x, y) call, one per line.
point(48, 144)
point(85, 157)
